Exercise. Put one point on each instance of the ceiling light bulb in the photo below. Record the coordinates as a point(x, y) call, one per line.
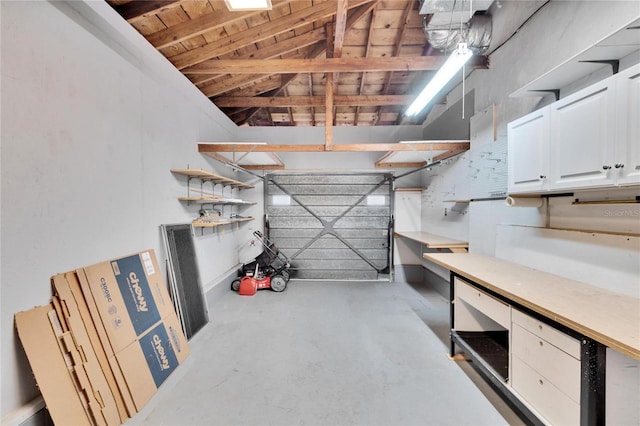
point(454, 63)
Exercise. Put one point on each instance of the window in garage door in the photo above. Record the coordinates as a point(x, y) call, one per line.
point(332, 226)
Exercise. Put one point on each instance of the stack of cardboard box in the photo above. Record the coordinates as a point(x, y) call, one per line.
point(106, 342)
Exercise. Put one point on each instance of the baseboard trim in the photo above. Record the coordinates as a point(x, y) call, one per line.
point(216, 289)
point(23, 414)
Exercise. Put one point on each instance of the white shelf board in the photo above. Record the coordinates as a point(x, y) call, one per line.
point(615, 46)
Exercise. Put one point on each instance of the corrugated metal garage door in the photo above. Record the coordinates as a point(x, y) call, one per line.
point(332, 226)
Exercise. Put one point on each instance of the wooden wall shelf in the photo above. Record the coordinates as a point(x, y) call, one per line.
point(212, 177)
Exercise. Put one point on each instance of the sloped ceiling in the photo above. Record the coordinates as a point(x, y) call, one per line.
point(364, 61)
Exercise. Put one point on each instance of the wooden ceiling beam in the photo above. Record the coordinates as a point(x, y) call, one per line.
point(440, 145)
point(311, 101)
point(353, 17)
point(268, 85)
point(396, 49)
point(340, 28)
point(223, 85)
point(142, 9)
point(258, 33)
point(363, 77)
point(329, 89)
point(284, 81)
point(270, 52)
point(313, 110)
point(322, 65)
point(200, 25)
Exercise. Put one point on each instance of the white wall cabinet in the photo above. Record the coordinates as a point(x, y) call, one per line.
point(627, 158)
point(527, 155)
point(590, 139)
point(582, 138)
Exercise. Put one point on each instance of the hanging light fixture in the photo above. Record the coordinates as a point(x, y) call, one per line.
point(454, 63)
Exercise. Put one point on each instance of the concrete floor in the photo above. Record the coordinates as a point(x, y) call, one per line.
point(326, 353)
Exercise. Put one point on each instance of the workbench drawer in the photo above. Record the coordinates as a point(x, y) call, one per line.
point(546, 332)
point(495, 309)
point(552, 404)
point(556, 366)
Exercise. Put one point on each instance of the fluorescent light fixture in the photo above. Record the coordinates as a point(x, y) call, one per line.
point(458, 58)
point(248, 4)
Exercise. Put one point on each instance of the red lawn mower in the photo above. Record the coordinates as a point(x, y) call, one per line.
point(269, 270)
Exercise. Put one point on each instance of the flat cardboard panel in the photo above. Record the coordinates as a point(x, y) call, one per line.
point(130, 295)
point(49, 367)
point(100, 377)
point(149, 361)
point(80, 288)
point(78, 349)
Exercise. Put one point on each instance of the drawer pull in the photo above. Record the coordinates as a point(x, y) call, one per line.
point(541, 344)
point(540, 327)
point(541, 382)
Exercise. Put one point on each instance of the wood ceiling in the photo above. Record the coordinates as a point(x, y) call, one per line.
point(303, 63)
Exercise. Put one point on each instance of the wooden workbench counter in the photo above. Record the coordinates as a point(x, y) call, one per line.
point(433, 241)
point(612, 319)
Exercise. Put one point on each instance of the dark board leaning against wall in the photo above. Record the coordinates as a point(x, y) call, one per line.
point(332, 226)
point(184, 278)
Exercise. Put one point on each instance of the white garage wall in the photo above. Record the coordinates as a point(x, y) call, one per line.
point(554, 34)
point(557, 32)
point(93, 118)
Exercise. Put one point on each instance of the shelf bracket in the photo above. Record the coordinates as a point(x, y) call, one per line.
point(556, 92)
point(615, 64)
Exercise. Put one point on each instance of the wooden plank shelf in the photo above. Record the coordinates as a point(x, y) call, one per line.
point(212, 177)
point(212, 224)
point(435, 241)
point(216, 200)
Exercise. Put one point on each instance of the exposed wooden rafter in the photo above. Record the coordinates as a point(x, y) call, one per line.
point(200, 25)
point(325, 65)
point(366, 55)
point(353, 17)
point(397, 47)
point(315, 101)
point(257, 33)
point(361, 74)
point(143, 9)
point(270, 52)
point(361, 147)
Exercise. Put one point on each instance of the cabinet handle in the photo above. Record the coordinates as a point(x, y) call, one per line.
point(540, 327)
point(606, 167)
point(619, 166)
point(541, 382)
point(541, 344)
point(543, 177)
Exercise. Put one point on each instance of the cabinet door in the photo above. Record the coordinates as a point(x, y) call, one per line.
point(582, 138)
point(527, 161)
point(627, 155)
